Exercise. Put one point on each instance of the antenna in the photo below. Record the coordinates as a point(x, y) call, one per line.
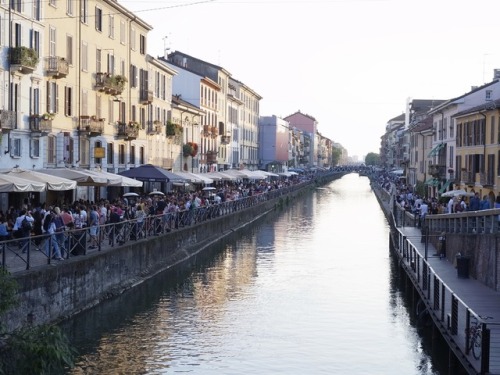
point(166, 48)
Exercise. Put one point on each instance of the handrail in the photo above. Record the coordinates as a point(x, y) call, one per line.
point(77, 240)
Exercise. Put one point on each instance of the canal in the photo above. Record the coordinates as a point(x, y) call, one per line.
point(311, 289)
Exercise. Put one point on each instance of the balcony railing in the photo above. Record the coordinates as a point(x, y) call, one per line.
point(438, 171)
point(155, 127)
point(225, 139)
point(8, 119)
point(56, 67)
point(92, 125)
point(146, 97)
point(109, 84)
point(39, 124)
point(206, 130)
point(128, 131)
point(213, 131)
point(468, 177)
point(485, 179)
point(211, 157)
point(23, 59)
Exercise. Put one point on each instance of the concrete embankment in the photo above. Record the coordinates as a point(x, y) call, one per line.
point(52, 293)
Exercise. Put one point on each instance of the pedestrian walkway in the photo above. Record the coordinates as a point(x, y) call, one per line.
point(454, 303)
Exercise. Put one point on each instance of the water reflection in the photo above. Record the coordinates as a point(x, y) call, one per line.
point(307, 291)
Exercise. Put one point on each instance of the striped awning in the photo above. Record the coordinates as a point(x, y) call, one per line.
point(432, 182)
point(444, 187)
point(435, 151)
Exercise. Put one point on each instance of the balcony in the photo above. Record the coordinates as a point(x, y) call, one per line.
point(469, 178)
point(211, 157)
point(214, 132)
point(173, 130)
point(206, 130)
point(437, 171)
point(155, 128)
point(112, 85)
point(128, 131)
point(8, 119)
point(56, 67)
point(23, 59)
point(40, 123)
point(487, 180)
point(146, 97)
point(225, 139)
point(91, 125)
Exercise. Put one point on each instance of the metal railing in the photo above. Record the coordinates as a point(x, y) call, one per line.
point(454, 316)
point(23, 253)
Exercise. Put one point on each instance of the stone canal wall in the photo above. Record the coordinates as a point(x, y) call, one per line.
point(52, 293)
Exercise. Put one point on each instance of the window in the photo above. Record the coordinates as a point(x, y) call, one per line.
point(488, 94)
point(52, 97)
point(35, 101)
point(68, 144)
point(142, 45)
point(84, 102)
point(141, 155)
point(16, 5)
point(98, 58)
point(492, 130)
point(132, 154)
point(15, 147)
point(451, 156)
point(133, 76)
point(69, 7)
point(84, 151)
point(85, 57)
point(17, 35)
point(111, 64)
point(35, 41)
point(123, 32)
point(111, 32)
point(84, 11)
point(98, 19)
point(51, 150)
point(52, 41)
point(69, 49)
point(68, 101)
point(132, 39)
point(110, 153)
point(121, 154)
point(35, 147)
point(36, 10)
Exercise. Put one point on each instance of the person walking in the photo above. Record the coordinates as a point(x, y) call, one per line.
point(22, 229)
point(49, 227)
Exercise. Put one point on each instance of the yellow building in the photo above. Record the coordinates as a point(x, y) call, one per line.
point(478, 149)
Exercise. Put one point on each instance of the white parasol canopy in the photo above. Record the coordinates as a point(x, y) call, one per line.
point(13, 184)
point(457, 193)
point(52, 182)
point(82, 177)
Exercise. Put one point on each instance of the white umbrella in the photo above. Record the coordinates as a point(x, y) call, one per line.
point(52, 182)
point(9, 184)
point(131, 194)
point(208, 188)
point(117, 180)
point(156, 193)
point(83, 177)
point(457, 193)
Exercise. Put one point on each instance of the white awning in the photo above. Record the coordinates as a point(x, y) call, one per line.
point(51, 182)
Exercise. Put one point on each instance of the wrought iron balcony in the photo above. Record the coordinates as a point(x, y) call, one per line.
point(146, 97)
point(128, 131)
point(206, 130)
point(155, 127)
point(23, 59)
point(225, 139)
point(40, 124)
point(8, 119)
point(486, 179)
point(92, 125)
point(438, 171)
point(109, 84)
point(214, 132)
point(56, 67)
point(468, 177)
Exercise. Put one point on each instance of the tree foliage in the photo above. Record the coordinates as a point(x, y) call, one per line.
point(336, 154)
point(372, 159)
point(40, 349)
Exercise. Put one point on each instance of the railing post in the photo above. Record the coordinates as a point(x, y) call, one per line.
point(485, 349)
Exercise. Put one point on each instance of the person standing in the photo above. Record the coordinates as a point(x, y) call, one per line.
point(485, 203)
point(474, 202)
point(22, 229)
point(49, 226)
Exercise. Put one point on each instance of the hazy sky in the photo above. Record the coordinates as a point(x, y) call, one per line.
point(351, 64)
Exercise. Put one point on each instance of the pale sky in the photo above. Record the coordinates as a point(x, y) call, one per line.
point(351, 64)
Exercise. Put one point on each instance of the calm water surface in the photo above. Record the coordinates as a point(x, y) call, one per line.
point(308, 291)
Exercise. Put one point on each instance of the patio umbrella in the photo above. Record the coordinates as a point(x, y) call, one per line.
point(118, 180)
point(13, 184)
point(82, 177)
point(151, 173)
point(128, 195)
point(51, 182)
point(457, 193)
point(157, 193)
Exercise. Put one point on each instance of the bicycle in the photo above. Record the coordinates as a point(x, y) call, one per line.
point(475, 334)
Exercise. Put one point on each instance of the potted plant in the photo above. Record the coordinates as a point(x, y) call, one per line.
point(173, 129)
point(134, 125)
point(187, 149)
point(47, 116)
point(194, 147)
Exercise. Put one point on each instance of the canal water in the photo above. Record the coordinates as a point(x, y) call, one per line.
point(311, 289)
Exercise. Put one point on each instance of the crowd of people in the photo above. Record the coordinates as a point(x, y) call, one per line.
point(50, 225)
